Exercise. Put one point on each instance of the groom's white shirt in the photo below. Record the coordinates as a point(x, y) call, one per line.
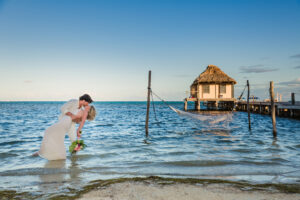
point(70, 106)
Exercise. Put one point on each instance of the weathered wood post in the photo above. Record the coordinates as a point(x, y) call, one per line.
point(293, 98)
point(248, 107)
point(273, 108)
point(148, 103)
point(198, 104)
point(260, 108)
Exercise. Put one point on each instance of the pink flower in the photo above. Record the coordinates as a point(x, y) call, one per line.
point(77, 148)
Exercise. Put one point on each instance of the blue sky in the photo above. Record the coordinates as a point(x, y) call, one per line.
point(60, 49)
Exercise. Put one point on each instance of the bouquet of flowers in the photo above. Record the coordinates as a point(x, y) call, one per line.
point(76, 146)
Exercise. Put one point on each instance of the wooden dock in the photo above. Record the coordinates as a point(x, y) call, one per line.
point(224, 103)
point(283, 109)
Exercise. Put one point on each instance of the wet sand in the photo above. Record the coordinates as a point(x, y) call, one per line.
point(153, 191)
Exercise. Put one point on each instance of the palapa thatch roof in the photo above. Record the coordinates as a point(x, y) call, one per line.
point(213, 74)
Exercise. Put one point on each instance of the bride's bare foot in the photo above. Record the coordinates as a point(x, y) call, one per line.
point(35, 154)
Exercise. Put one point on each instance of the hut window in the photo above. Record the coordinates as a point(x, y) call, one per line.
point(223, 89)
point(205, 88)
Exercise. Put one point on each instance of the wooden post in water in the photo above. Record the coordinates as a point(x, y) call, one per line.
point(248, 106)
point(148, 103)
point(185, 105)
point(198, 104)
point(293, 103)
point(273, 108)
point(293, 98)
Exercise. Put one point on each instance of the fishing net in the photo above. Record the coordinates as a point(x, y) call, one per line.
point(211, 118)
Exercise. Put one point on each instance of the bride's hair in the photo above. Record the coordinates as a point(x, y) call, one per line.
point(91, 114)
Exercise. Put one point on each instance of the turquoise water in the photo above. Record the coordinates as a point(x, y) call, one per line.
point(177, 146)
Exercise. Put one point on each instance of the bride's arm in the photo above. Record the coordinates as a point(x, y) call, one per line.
point(84, 116)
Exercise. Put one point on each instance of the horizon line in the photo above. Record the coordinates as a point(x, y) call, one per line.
point(6, 101)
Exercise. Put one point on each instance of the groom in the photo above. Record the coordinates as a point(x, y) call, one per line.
point(85, 100)
point(72, 106)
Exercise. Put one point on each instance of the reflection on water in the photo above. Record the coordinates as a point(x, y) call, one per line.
point(219, 132)
point(57, 175)
point(54, 176)
point(74, 169)
point(177, 146)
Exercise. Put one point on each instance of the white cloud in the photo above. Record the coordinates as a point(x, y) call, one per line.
point(256, 69)
point(295, 82)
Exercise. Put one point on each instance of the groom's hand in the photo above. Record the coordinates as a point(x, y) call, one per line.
point(69, 114)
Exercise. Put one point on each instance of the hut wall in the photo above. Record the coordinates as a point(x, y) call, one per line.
point(228, 93)
point(199, 89)
point(217, 90)
point(193, 91)
point(213, 92)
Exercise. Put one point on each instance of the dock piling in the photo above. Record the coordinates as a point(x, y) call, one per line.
point(248, 106)
point(185, 105)
point(148, 103)
point(198, 105)
point(273, 108)
point(293, 98)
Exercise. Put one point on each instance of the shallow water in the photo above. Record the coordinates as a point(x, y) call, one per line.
point(177, 146)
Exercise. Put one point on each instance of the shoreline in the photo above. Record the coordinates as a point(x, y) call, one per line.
point(178, 191)
point(164, 188)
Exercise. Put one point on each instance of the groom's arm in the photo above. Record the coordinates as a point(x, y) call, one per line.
point(75, 118)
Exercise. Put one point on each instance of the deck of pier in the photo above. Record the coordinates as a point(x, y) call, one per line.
point(283, 109)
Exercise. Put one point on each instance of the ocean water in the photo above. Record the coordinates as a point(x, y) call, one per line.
point(177, 146)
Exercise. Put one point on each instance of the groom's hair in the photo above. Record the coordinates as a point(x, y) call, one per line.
point(86, 97)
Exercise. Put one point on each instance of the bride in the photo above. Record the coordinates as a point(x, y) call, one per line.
point(72, 112)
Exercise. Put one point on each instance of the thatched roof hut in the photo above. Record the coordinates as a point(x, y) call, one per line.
point(212, 85)
point(213, 74)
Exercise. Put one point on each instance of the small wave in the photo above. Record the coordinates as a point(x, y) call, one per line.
point(279, 160)
point(92, 156)
point(33, 171)
point(7, 155)
point(178, 153)
point(256, 163)
point(197, 163)
point(297, 146)
point(12, 142)
point(212, 163)
point(101, 125)
point(242, 150)
point(6, 123)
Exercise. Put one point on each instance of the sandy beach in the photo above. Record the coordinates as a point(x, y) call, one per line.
point(153, 188)
point(152, 191)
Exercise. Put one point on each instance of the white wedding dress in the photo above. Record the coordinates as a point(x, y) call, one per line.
point(52, 147)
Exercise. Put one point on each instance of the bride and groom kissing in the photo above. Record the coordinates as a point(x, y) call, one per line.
point(72, 112)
